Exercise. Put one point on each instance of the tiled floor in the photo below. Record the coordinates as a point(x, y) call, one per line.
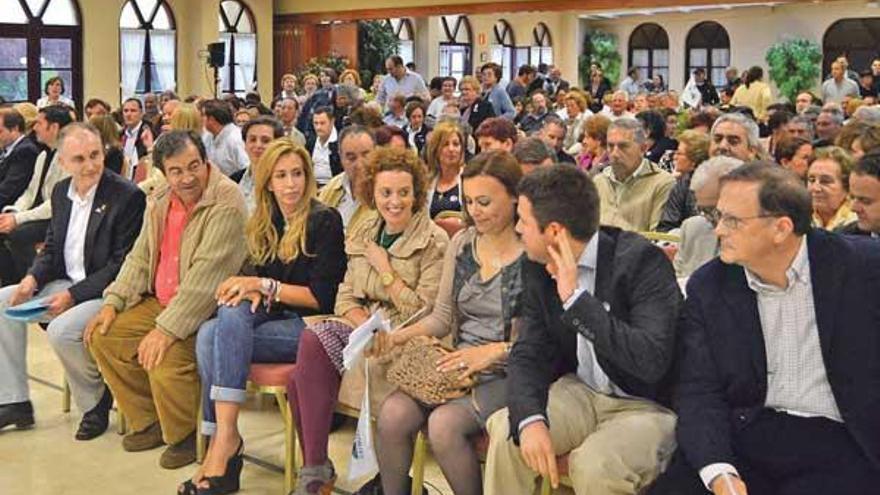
point(48, 461)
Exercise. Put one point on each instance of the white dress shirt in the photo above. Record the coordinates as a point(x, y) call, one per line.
point(348, 204)
point(129, 149)
point(321, 158)
point(227, 150)
point(75, 240)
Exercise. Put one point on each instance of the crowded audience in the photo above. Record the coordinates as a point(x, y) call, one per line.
point(632, 289)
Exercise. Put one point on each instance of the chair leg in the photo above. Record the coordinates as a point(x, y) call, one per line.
point(201, 446)
point(65, 396)
point(420, 452)
point(546, 489)
point(291, 444)
point(122, 428)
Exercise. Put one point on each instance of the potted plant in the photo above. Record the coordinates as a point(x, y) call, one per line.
point(599, 47)
point(795, 66)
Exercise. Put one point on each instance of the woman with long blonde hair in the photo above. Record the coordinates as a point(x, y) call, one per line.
point(296, 262)
point(444, 154)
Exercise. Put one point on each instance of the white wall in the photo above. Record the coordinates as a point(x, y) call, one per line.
point(752, 30)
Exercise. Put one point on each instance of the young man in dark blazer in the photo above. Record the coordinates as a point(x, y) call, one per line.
point(17, 159)
point(596, 340)
point(779, 386)
point(96, 218)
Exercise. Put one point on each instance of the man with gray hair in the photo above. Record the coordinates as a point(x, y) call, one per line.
point(736, 135)
point(96, 216)
point(553, 133)
point(698, 243)
point(533, 152)
point(619, 107)
point(828, 125)
point(632, 189)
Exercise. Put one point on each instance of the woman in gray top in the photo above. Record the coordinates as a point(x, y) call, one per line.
point(478, 298)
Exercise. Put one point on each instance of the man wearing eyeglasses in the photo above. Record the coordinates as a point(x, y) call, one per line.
point(143, 337)
point(698, 243)
point(778, 385)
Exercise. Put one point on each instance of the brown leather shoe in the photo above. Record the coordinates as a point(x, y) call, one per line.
point(179, 454)
point(146, 439)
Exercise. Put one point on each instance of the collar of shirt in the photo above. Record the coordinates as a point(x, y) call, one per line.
point(797, 272)
point(12, 146)
point(78, 200)
point(589, 258)
point(225, 132)
point(332, 139)
point(644, 168)
point(132, 132)
point(346, 186)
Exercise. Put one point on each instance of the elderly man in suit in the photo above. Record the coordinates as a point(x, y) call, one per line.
point(779, 385)
point(602, 303)
point(96, 217)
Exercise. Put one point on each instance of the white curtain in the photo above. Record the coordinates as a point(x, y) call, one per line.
point(132, 43)
point(246, 61)
point(162, 47)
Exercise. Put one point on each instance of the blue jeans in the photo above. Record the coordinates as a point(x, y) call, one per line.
point(228, 344)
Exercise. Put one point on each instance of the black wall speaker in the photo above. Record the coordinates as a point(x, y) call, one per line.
point(216, 54)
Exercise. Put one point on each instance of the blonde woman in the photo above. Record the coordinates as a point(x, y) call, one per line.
point(297, 261)
point(444, 153)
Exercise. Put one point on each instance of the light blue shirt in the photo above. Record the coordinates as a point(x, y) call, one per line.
point(589, 370)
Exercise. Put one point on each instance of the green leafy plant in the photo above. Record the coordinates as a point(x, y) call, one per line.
point(795, 66)
point(316, 64)
point(376, 42)
point(599, 47)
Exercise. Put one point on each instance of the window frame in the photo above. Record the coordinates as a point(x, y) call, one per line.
point(33, 32)
point(654, 41)
point(232, 29)
point(830, 52)
point(453, 43)
point(146, 25)
point(506, 42)
point(711, 48)
point(542, 40)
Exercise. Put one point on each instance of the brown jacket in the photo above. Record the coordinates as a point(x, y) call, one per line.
point(417, 258)
point(212, 248)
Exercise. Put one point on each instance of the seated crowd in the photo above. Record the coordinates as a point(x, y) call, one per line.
point(634, 291)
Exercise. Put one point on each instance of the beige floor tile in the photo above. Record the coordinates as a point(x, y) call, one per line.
point(47, 460)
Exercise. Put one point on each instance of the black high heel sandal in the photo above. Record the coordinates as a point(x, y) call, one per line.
point(230, 481)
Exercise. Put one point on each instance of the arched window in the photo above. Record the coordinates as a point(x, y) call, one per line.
point(40, 39)
point(708, 46)
point(503, 47)
point(147, 48)
point(456, 47)
point(542, 49)
point(402, 27)
point(857, 39)
point(238, 32)
point(649, 51)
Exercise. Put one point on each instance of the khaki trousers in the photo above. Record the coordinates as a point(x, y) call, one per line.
point(615, 446)
point(168, 394)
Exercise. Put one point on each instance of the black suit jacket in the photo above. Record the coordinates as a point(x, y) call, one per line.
point(335, 162)
point(723, 367)
point(631, 321)
point(16, 171)
point(114, 224)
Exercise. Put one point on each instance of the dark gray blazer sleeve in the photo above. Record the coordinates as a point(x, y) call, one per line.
point(644, 344)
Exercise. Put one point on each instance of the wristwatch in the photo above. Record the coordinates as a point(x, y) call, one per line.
point(386, 278)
